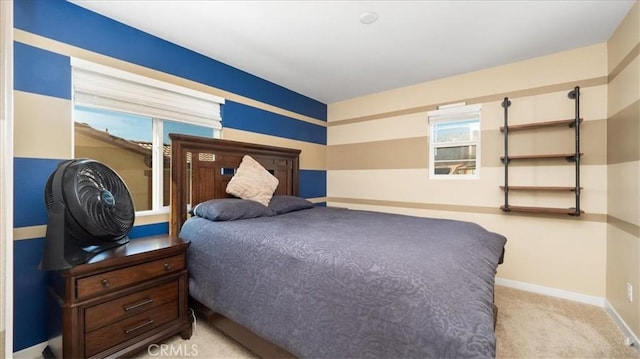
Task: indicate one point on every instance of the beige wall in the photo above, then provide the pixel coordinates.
(377, 159)
(623, 159)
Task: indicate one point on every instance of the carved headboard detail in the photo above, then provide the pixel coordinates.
(201, 168)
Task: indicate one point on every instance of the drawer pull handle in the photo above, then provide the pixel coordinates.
(139, 326)
(167, 266)
(105, 283)
(138, 305)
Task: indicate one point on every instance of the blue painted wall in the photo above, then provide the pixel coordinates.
(71, 24)
(45, 73)
(41, 71)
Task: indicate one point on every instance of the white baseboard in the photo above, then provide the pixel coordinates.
(631, 338)
(32, 352)
(553, 292)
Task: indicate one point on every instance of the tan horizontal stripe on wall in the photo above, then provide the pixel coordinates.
(595, 217)
(414, 152)
(151, 219)
(624, 226)
(401, 153)
(488, 98)
(549, 140)
(312, 157)
(73, 51)
(568, 86)
(38, 120)
(623, 135)
(432, 206)
(31, 232)
(635, 52)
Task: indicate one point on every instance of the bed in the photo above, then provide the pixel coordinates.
(301, 280)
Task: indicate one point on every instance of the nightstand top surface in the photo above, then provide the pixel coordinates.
(139, 245)
(144, 248)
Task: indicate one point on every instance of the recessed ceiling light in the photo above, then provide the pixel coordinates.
(368, 17)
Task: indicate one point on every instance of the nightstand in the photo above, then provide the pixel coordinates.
(121, 301)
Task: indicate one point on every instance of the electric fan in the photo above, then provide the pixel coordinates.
(89, 210)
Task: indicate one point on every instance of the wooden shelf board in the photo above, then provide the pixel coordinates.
(542, 156)
(535, 125)
(541, 188)
(551, 210)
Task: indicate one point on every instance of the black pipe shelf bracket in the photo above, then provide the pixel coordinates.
(571, 157)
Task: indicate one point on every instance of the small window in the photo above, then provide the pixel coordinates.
(454, 146)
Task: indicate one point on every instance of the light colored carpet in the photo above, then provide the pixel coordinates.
(537, 326)
(529, 326)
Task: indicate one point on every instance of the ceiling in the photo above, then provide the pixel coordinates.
(321, 49)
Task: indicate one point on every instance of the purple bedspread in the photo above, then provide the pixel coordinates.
(337, 283)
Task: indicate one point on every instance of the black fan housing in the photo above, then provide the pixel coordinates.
(89, 210)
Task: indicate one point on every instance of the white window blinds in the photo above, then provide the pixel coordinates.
(103, 87)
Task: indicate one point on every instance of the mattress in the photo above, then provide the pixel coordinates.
(336, 283)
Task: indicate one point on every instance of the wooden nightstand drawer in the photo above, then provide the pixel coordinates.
(118, 332)
(121, 308)
(101, 283)
(143, 301)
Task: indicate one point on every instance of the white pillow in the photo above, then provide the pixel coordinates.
(252, 181)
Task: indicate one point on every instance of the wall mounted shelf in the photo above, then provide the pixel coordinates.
(549, 210)
(541, 188)
(532, 126)
(547, 156)
(572, 157)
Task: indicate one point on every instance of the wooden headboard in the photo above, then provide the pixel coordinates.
(201, 168)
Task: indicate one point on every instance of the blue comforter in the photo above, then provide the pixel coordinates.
(337, 283)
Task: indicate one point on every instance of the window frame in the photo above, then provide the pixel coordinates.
(153, 109)
(450, 114)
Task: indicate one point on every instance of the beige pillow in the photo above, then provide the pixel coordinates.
(252, 181)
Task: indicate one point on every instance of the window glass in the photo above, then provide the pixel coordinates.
(176, 127)
(456, 131)
(124, 142)
(455, 160)
(455, 142)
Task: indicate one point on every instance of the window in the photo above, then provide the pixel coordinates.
(454, 146)
(124, 121)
